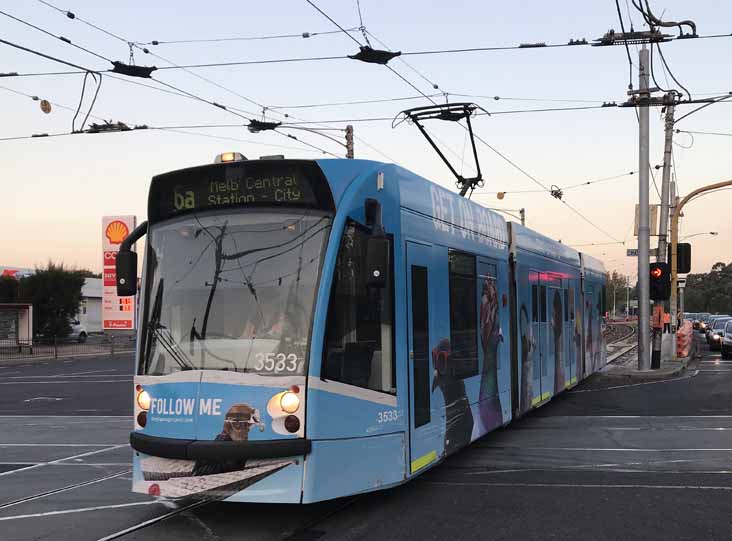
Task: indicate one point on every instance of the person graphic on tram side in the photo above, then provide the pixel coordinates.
(527, 362)
(491, 413)
(590, 343)
(458, 416)
(579, 370)
(557, 324)
(237, 423)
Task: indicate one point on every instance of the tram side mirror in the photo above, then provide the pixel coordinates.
(126, 268)
(377, 262)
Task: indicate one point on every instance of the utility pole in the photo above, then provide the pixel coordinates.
(627, 299)
(644, 230)
(522, 213)
(663, 225)
(349, 142)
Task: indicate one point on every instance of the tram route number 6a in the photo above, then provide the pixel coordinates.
(275, 362)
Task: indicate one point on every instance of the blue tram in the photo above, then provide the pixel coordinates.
(315, 329)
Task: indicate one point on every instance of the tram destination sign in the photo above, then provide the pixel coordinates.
(239, 184)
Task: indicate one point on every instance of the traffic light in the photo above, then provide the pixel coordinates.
(660, 282)
(683, 257)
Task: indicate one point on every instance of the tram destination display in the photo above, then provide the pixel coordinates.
(238, 184)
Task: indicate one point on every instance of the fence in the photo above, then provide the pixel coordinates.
(54, 348)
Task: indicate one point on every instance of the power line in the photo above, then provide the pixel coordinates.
(345, 103)
(62, 38)
(538, 182)
(46, 56)
(301, 35)
(627, 49)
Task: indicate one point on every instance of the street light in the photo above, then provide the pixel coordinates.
(712, 233)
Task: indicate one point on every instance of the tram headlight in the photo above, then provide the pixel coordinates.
(289, 402)
(143, 398)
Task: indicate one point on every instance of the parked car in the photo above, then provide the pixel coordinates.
(716, 332)
(726, 345)
(78, 334)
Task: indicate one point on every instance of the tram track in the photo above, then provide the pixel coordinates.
(144, 524)
(63, 489)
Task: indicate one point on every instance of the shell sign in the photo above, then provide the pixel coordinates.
(117, 312)
(116, 232)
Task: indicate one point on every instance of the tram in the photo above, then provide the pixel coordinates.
(316, 329)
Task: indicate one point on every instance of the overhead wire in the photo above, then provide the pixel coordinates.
(627, 49)
(301, 35)
(61, 38)
(177, 89)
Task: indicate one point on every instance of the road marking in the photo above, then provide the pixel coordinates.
(54, 462)
(63, 489)
(147, 523)
(580, 485)
(637, 384)
(43, 398)
(614, 449)
(69, 416)
(63, 376)
(78, 510)
(61, 444)
(61, 382)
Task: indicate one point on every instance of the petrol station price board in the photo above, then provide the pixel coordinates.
(118, 313)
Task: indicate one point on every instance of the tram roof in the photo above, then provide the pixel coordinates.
(531, 241)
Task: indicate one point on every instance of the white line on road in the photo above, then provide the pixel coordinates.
(580, 485)
(64, 376)
(62, 382)
(79, 510)
(118, 417)
(147, 523)
(61, 444)
(54, 462)
(614, 449)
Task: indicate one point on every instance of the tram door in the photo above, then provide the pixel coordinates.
(539, 336)
(555, 313)
(423, 431)
(568, 334)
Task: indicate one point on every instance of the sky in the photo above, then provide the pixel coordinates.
(54, 191)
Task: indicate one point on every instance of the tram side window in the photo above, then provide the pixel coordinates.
(566, 305)
(571, 304)
(543, 304)
(358, 338)
(463, 315)
(535, 304)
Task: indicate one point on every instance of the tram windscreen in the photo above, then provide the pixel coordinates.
(232, 291)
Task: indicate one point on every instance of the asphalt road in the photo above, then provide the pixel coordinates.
(635, 461)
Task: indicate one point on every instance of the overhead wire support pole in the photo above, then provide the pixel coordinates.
(644, 230)
(664, 214)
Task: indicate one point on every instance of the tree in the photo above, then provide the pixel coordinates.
(55, 293)
(710, 292)
(616, 285)
(8, 289)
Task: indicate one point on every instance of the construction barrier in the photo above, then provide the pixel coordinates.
(684, 336)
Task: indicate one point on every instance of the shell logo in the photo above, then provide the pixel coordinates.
(116, 232)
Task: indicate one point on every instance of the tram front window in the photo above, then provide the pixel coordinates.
(232, 291)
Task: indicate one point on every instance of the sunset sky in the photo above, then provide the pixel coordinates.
(55, 190)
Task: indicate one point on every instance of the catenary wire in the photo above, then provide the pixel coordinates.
(61, 38)
(301, 35)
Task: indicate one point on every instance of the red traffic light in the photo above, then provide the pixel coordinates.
(656, 272)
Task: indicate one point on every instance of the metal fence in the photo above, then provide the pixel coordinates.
(54, 348)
